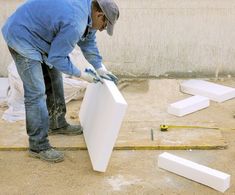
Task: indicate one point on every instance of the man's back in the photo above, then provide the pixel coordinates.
(35, 24)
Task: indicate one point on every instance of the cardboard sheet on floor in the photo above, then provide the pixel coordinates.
(101, 115)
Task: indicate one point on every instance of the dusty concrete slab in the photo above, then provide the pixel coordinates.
(129, 171)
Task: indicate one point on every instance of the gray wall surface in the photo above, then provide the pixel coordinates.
(6, 8)
(162, 37)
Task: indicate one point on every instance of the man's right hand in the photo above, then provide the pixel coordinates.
(90, 76)
(105, 74)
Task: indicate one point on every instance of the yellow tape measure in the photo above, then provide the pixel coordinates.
(166, 127)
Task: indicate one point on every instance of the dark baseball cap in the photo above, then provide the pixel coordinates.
(111, 12)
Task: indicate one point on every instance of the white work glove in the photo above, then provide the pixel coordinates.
(105, 74)
(90, 76)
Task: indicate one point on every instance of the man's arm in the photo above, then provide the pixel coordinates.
(91, 53)
(61, 46)
(90, 50)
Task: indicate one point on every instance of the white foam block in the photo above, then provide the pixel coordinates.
(4, 85)
(199, 173)
(215, 92)
(101, 114)
(189, 105)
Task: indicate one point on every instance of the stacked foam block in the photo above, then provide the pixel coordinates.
(203, 92)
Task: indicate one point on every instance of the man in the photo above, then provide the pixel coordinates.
(40, 35)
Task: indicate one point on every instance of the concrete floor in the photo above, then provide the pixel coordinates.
(129, 171)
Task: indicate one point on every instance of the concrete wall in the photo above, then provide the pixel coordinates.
(6, 8)
(163, 37)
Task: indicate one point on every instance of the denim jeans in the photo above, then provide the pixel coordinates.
(43, 98)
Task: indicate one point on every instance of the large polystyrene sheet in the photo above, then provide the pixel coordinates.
(101, 115)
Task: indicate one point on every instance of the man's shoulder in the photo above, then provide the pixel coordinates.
(59, 5)
(81, 6)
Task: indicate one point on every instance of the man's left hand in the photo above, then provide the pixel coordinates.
(105, 74)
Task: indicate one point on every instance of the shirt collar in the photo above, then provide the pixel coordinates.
(89, 17)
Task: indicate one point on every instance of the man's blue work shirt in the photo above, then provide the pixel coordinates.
(48, 30)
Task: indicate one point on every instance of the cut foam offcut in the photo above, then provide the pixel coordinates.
(188, 105)
(194, 171)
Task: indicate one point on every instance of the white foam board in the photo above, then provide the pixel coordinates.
(4, 85)
(199, 173)
(215, 92)
(101, 114)
(188, 105)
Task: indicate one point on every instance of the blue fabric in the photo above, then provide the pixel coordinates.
(43, 97)
(48, 30)
(37, 120)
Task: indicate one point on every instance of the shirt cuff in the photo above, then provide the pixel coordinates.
(76, 72)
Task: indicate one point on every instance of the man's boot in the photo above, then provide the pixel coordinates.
(49, 155)
(67, 130)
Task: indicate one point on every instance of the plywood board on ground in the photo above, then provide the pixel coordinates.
(133, 135)
(147, 108)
